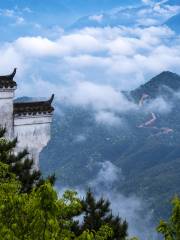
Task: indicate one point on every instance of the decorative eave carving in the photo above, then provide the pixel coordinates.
(7, 81)
(33, 108)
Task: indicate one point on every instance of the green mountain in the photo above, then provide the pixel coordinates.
(159, 85)
(146, 148)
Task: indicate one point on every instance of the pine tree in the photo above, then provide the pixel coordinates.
(98, 213)
(41, 214)
(20, 164)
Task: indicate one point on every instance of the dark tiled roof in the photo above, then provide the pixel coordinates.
(33, 108)
(7, 80)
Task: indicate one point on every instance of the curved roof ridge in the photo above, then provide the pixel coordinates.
(33, 108)
(7, 81)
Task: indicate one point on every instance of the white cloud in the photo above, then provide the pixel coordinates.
(80, 138)
(159, 105)
(97, 18)
(107, 43)
(10, 58)
(89, 67)
(104, 100)
(131, 208)
(67, 44)
(20, 20)
(35, 47)
(108, 118)
(14, 15)
(107, 175)
(156, 13)
(7, 12)
(147, 1)
(27, 10)
(99, 97)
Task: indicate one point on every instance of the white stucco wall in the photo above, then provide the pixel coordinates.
(6, 110)
(33, 133)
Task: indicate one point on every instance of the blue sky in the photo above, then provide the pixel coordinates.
(48, 14)
(87, 51)
(21, 18)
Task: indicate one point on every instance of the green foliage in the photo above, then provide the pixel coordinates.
(97, 214)
(171, 229)
(40, 214)
(20, 164)
(105, 232)
(30, 208)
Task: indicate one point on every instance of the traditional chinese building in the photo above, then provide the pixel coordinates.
(30, 122)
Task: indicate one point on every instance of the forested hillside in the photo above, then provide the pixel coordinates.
(146, 147)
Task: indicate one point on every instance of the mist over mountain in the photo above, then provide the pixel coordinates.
(144, 149)
(159, 85)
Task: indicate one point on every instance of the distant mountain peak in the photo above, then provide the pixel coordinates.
(153, 87)
(165, 78)
(167, 73)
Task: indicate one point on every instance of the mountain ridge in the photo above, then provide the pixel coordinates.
(140, 148)
(154, 86)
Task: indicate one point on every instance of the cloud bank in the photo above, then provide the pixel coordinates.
(119, 57)
(91, 66)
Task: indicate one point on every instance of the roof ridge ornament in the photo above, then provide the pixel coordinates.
(6, 81)
(11, 76)
(51, 99)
